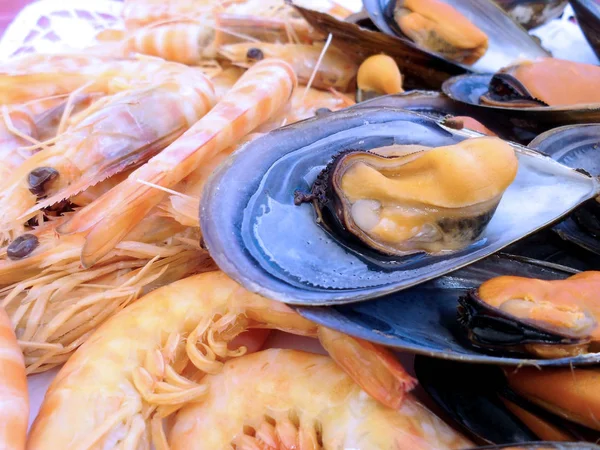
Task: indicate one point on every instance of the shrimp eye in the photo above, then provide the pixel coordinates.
(38, 178)
(22, 246)
(255, 53)
(322, 111)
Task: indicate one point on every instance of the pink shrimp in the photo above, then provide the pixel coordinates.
(14, 402)
(117, 133)
(257, 95)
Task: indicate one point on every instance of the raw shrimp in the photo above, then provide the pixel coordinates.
(335, 70)
(256, 97)
(43, 252)
(54, 314)
(14, 402)
(288, 399)
(118, 132)
(129, 372)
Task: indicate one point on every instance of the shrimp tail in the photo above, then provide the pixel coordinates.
(371, 366)
(256, 96)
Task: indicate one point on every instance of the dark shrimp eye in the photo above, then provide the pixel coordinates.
(322, 111)
(38, 178)
(255, 53)
(22, 246)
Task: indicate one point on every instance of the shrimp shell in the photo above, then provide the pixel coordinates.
(336, 70)
(128, 373)
(256, 97)
(14, 401)
(288, 399)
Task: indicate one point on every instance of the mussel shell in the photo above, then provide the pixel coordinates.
(362, 19)
(533, 13)
(419, 69)
(541, 445)
(438, 106)
(588, 17)
(468, 393)
(508, 41)
(259, 237)
(424, 320)
(469, 88)
(578, 147)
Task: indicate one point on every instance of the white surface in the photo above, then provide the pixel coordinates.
(51, 26)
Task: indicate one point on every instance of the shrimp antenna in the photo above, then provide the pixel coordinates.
(316, 69)
(69, 107)
(10, 126)
(164, 189)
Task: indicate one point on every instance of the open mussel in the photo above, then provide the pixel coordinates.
(401, 200)
(535, 96)
(588, 17)
(533, 13)
(516, 405)
(257, 234)
(478, 35)
(576, 146)
(546, 318)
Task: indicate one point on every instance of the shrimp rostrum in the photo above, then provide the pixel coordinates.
(117, 387)
(287, 399)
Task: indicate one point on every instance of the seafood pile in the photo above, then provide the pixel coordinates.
(213, 171)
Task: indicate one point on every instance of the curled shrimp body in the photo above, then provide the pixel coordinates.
(256, 97)
(14, 401)
(286, 399)
(116, 133)
(336, 70)
(117, 386)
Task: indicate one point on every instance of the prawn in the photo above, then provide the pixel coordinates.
(54, 314)
(14, 401)
(41, 251)
(335, 70)
(114, 134)
(260, 93)
(129, 373)
(288, 399)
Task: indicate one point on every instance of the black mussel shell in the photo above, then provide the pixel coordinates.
(488, 327)
(576, 146)
(533, 13)
(363, 20)
(541, 445)
(588, 17)
(472, 396)
(423, 319)
(470, 88)
(439, 106)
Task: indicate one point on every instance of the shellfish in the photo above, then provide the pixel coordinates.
(401, 200)
(588, 17)
(260, 238)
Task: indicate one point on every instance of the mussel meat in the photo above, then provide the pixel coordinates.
(548, 82)
(401, 200)
(440, 28)
(548, 319)
(378, 75)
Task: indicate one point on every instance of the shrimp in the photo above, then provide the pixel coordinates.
(138, 13)
(129, 372)
(42, 252)
(256, 97)
(336, 70)
(54, 314)
(288, 399)
(14, 401)
(121, 131)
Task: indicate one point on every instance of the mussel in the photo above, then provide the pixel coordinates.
(477, 35)
(517, 404)
(438, 27)
(548, 82)
(401, 200)
(533, 13)
(542, 445)
(546, 318)
(257, 234)
(588, 17)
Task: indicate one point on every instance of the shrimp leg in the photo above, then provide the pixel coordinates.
(257, 95)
